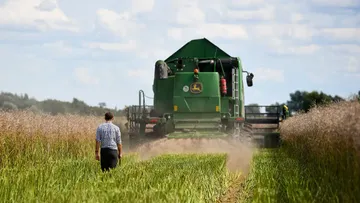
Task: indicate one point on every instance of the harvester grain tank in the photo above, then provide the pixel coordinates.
(198, 92)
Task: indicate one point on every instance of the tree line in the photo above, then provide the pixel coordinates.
(302, 101)
(9, 101)
(299, 101)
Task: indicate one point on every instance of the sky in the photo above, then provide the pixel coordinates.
(105, 51)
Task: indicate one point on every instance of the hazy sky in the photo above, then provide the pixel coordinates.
(105, 51)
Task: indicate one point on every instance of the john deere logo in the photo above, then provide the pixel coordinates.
(196, 88)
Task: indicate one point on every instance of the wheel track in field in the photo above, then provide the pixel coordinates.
(234, 190)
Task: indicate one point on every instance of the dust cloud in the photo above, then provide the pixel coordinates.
(239, 154)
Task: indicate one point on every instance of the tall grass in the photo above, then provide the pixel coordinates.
(326, 142)
(319, 160)
(51, 159)
(29, 138)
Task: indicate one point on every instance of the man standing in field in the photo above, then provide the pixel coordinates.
(285, 112)
(108, 138)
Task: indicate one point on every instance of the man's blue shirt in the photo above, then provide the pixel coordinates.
(108, 135)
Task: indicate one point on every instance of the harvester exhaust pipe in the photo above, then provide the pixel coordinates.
(141, 92)
(142, 113)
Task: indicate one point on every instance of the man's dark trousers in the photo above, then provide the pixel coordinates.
(108, 158)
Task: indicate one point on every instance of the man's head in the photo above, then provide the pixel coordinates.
(109, 116)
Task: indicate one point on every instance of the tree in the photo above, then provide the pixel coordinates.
(296, 100)
(273, 109)
(34, 109)
(26, 96)
(9, 106)
(303, 100)
(102, 104)
(253, 108)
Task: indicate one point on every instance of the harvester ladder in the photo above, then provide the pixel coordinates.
(235, 96)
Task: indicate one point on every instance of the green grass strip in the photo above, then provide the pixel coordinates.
(168, 178)
(276, 176)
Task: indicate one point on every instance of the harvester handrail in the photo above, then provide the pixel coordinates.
(270, 113)
(263, 106)
(199, 58)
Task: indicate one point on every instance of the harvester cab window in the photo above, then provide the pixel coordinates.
(206, 67)
(161, 70)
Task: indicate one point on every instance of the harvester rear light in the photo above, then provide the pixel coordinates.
(154, 120)
(223, 87)
(175, 108)
(239, 119)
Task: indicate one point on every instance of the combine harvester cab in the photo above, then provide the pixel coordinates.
(198, 92)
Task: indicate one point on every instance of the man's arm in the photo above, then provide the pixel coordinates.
(97, 144)
(120, 150)
(97, 149)
(118, 142)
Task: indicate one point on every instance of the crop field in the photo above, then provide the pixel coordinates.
(51, 159)
(319, 160)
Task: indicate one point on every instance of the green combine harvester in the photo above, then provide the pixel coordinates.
(199, 92)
